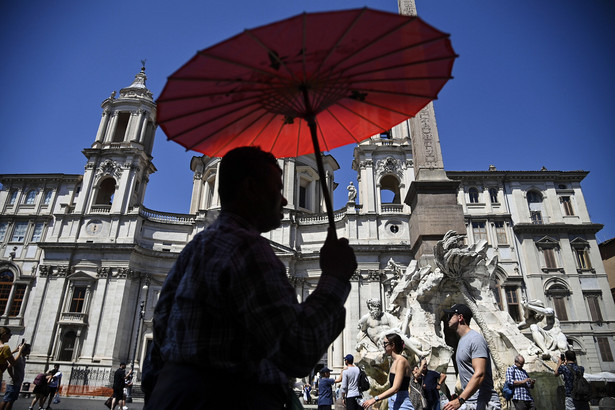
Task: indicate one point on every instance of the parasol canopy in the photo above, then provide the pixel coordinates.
(306, 84)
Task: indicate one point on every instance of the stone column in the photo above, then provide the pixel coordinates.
(104, 121)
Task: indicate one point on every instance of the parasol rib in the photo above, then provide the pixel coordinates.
(344, 126)
(230, 140)
(432, 60)
(221, 128)
(339, 40)
(271, 53)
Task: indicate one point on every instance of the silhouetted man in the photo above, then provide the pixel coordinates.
(228, 329)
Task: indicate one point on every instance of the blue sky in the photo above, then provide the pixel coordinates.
(533, 84)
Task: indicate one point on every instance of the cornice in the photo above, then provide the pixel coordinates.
(588, 228)
(576, 176)
(92, 247)
(40, 178)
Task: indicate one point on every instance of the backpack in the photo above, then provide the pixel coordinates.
(40, 379)
(508, 389)
(363, 381)
(580, 386)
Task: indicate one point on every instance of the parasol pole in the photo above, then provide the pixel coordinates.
(310, 117)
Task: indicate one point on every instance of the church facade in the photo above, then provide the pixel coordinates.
(82, 260)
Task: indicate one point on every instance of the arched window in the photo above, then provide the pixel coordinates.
(473, 193)
(389, 190)
(6, 284)
(106, 189)
(559, 293)
(534, 203)
(493, 195)
(68, 346)
(534, 197)
(31, 197)
(48, 195)
(13, 196)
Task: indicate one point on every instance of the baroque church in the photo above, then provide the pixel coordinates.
(82, 259)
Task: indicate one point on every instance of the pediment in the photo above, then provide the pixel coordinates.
(280, 249)
(81, 276)
(547, 242)
(579, 243)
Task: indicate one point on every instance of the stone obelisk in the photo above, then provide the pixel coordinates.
(432, 197)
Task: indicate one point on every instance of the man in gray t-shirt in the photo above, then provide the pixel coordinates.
(473, 364)
(350, 384)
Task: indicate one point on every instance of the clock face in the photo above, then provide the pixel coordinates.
(93, 227)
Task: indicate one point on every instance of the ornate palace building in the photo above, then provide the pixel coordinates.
(82, 260)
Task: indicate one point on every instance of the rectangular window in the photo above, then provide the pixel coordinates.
(19, 232)
(549, 254)
(559, 303)
(567, 204)
(582, 257)
(76, 304)
(479, 231)
(605, 349)
(594, 308)
(37, 233)
(536, 217)
(18, 295)
(500, 232)
(4, 226)
(303, 197)
(512, 300)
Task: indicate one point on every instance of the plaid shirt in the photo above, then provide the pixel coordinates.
(565, 371)
(227, 304)
(521, 392)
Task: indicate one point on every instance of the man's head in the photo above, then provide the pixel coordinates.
(423, 366)
(375, 308)
(458, 314)
(325, 371)
(349, 359)
(5, 334)
(123, 365)
(250, 185)
(571, 356)
(27, 348)
(56, 367)
(519, 361)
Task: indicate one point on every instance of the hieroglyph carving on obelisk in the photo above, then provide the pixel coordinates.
(426, 150)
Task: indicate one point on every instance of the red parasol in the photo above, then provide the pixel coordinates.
(314, 81)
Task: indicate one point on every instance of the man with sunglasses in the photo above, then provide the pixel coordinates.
(473, 364)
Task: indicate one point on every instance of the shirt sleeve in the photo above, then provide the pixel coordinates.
(344, 382)
(509, 375)
(294, 336)
(480, 349)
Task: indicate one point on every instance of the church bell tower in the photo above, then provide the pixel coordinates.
(120, 161)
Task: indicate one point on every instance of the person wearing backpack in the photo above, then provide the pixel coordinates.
(350, 384)
(575, 385)
(521, 382)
